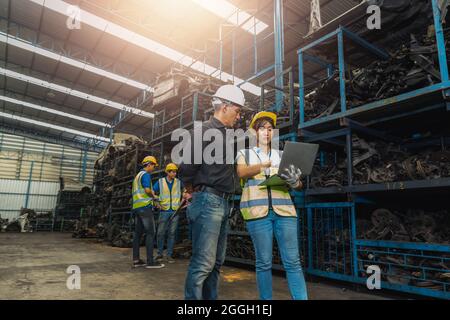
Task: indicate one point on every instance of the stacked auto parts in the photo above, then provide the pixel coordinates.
(413, 65)
(381, 162)
(408, 267)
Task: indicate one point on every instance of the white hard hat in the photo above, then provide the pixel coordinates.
(231, 94)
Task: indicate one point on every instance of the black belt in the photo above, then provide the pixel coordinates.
(224, 195)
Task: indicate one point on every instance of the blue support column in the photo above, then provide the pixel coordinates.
(341, 70)
(30, 176)
(310, 239)
(301, 88)
(279, 52)
(349, 147)
(440, 41)
(353, 244)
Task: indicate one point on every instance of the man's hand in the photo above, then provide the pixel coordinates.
(189, 188)
(156, 203)
(292, 176)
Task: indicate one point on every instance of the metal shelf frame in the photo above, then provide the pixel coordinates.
(322, 219)
(327, 221)
(387, 105)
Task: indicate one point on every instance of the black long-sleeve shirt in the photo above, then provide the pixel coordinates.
(220, 176)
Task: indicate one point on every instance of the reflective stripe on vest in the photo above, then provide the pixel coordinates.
(255, 201)
(169, 199)
(140, 197)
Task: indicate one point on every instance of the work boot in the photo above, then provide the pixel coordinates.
(139, 263)
(170, 259)
(154, 265)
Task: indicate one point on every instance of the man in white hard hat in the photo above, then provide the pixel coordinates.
(213, 186)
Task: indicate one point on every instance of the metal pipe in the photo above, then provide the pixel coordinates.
(349, 147)
(341, 70)
(440, 41)
(278, 39)
(301, 88)
(27, 197)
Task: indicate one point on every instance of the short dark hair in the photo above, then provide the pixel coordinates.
(262, 121)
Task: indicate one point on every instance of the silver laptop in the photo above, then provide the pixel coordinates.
(301, 155)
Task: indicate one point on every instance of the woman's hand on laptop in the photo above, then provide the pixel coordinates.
(266, 164)
(292, 176)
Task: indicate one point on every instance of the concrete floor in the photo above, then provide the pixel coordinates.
(33, 266)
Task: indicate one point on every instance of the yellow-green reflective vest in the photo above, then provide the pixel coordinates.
(169, 199)
(255, 199)
(140, 197)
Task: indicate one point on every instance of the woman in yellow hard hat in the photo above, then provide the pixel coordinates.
(269, 210)
(143, 202)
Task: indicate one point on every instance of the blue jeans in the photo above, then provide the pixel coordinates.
(208, 216)
(285, 229)
(144, 223)
(169, 228)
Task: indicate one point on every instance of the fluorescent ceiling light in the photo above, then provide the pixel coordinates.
(52, 126)
(20, 43)
(73, 92)
(233, 14)
(146, 43)
(49, 110)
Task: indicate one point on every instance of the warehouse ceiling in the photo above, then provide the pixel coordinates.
(119, 51)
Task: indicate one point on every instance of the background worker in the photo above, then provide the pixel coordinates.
(143, 202)
(170, 193)
(214, 185)
(269, 210)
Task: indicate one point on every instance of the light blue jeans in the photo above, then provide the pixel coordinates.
(166, 228)
(208, 217)
(286, 233)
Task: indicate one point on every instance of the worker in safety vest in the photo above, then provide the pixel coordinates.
(170, 190)
(269, 210)
(143, 203)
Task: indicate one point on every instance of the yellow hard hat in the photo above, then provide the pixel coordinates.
(264, 114)
(149, 159)
(171, 166)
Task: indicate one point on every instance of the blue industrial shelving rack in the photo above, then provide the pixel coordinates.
(331, 245)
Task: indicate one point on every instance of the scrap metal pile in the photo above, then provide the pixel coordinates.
(332, 250)
(379, 162)
(25, 222)
(115, 170)
(412, 225)
(240, 245)
(411, 66)
(108, 217)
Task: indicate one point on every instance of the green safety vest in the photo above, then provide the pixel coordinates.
(140, 197)
(169, 199)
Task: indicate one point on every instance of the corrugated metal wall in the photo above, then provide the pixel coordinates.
(13, 196)
(50, 161)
